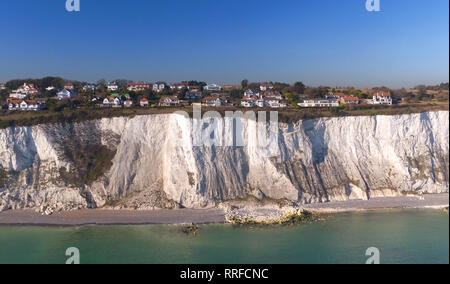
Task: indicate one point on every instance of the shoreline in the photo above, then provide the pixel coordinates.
(104, 217)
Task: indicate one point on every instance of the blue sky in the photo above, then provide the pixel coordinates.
(319, 42)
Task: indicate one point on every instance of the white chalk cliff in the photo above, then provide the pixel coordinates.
(155, 165)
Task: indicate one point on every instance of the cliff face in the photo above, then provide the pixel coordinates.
(149, 162)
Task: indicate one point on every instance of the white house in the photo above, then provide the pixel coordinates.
(112, 102)
(50, 88)
(320, 103)
(382, 98)
(65, 94)
(2, 87)
(276, 103)
(212, 88)
(112, 87)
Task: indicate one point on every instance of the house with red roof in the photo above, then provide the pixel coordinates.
(169, 101)
(144, 102)
(350, 100)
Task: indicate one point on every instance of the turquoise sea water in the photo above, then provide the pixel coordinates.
(402, 236)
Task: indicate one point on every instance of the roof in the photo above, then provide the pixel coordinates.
(172, 98)
(350, 99)
(382, 93)
(15, 101)
(138, 84)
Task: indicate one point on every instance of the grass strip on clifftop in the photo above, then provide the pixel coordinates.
(26, 118)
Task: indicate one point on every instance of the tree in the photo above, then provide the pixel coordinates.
(244, 84)
(299, 87)
(236, 94)
(101, 82)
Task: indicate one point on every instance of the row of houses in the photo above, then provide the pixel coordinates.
(336, 99)
(215, 100)
(160, 86)
(24, 105)
(263, 99)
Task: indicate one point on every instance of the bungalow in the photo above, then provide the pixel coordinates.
(249, 102)
(195, 89)
(179, 86)
(112, 102)
(112, 87)
(382, 98)
(232, 87)
(24, 105)
(159, 87)
(138, 87)
(265, 87)
(65, 94)
(169, 101)
(320, 103)
(193, 95)
(276, 103)
(128, 103)
(144, 102)
(273, 95)
(18, 95)
(2, 87)
(350, 100)
(335, 96)
(215, 101)
(212, 88)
